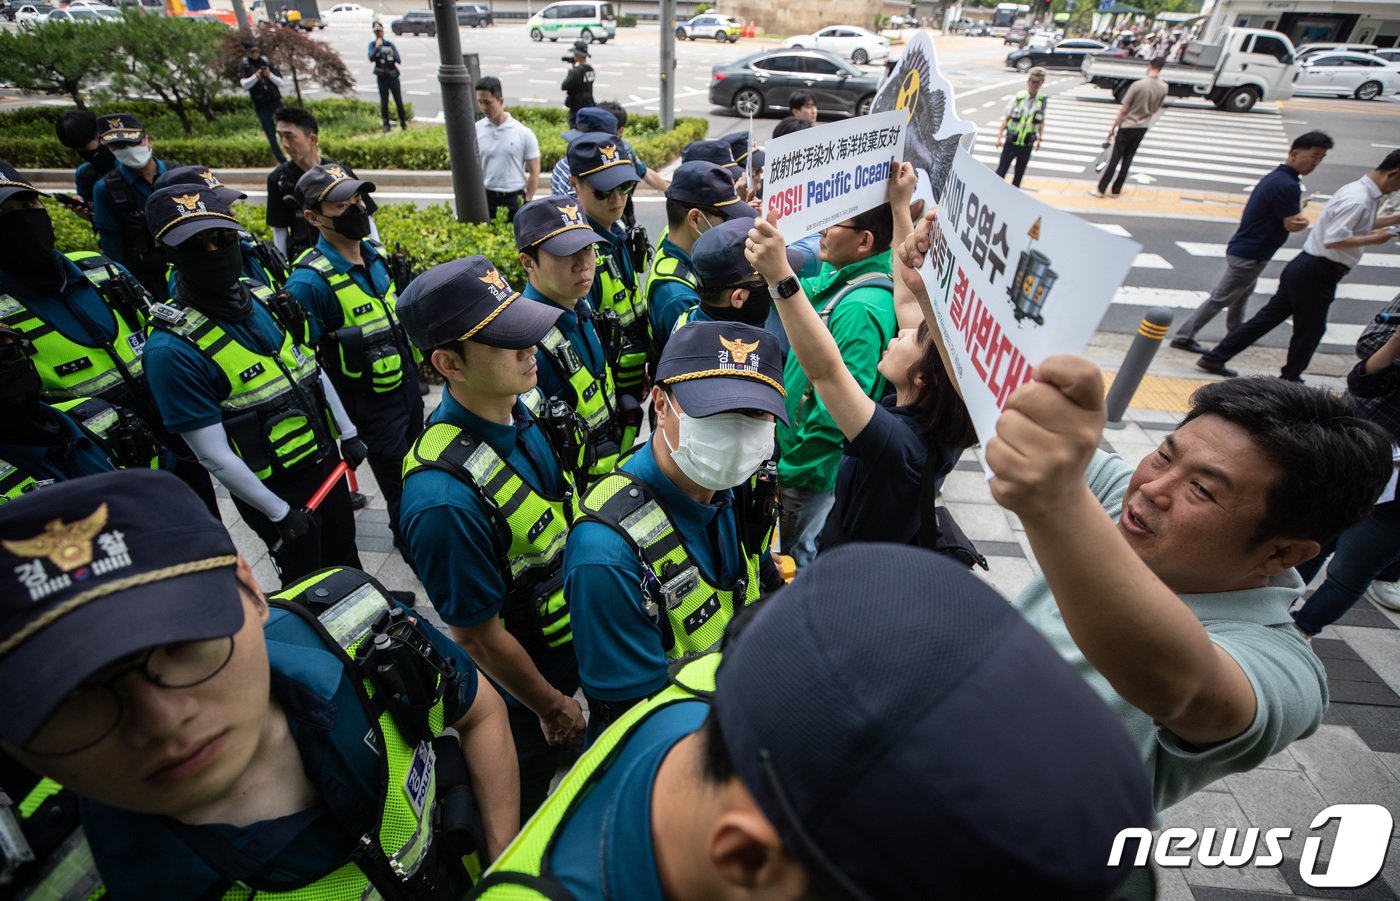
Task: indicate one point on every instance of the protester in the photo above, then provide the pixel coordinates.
(119, 202)
(509, 150)
(263, 82)
(300, 135)
(212, 739)
(885, 727)
(77, 130)
(386, 59)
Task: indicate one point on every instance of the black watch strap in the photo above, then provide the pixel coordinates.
(788, 287)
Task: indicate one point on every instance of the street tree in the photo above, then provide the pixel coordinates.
(298, 57)
(173, 58)
(63, 58)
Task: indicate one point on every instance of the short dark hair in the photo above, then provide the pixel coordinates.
(533, 251)
(790, 125)
(716, 766)
(616, 109)
(298, 116)
(1309, 140)
(1332, 464)
(879, 221)
(1391, 161)
(938, 408)
(677, 209)
(800, 99)
(492, 84)
(1158, 63)
(76, 128)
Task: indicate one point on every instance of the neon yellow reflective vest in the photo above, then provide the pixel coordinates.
(691, 613)
(275, 413)
(521, 873)
(666, 268)
(96, 418)
(596, 405)
(531, 525)
(408, 812)
(68, 368)
(629, 305)
(368, 347)
(1022, 126)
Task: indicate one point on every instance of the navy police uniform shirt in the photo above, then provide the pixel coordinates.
(453, 536)
(577, 326)
(669, 299)
(73, 454)
(1261, 233)
(323, 311)
(104, 215)
(614, 245)
(143, 857)
(77, 312)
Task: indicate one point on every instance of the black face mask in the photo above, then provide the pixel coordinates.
(26, 250)
(210, 279)
(754, 311)
(353, 223)
(100, 157)
(19, 387)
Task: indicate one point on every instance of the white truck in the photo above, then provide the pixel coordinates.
(1247, 65)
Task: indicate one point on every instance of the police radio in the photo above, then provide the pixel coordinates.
(290, 313)
(404, 668)
(125, 295)
(565, 429)
(272, 261)
(400, 269)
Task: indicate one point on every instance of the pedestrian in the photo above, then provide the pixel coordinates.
(578, 83)
(261, 261)
(802, 107)
(510, 152)
(237, 382)
(119, 202)
(1273, 212)
(180, 717)
(1308, 284)
(588, 119)
(558, 251)
(386, 59)
(853, 294)
(1025, 118)
(486, 505)
(812, 758)
(345, 287)
(899, 449)
(300, 134)
(77, 130)
(667, 552)
(1139, 109)
(263, 82)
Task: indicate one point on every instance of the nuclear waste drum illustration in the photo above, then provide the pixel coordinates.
(1032, 284)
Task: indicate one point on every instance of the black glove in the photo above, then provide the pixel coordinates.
(354, 452)
(295, 526)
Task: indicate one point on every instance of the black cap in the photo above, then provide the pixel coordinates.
(119, 128)
(468, 300)
(738, 145)
(601, 160)
(581, 47)
(698, 183)
(199, 175)
(717, 152)
(555, 224)
(328, 182)
(98, 568)
(721, 367)
(718, 256)
(176, 213)
(888, 709)
(591, 118)
(12, 183)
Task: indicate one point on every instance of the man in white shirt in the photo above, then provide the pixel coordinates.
(1347, 226)
(510, 152)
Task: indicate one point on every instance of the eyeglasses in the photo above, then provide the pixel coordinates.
(213, 239)
(93, 710)
(854, 228)
(626, 188)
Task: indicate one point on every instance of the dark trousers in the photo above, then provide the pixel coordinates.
(388, 423)
(1020, 153)
(507, 200)
(387, 85)
(1125, 146)
(538, 759)
(1305, 291)
(1363, 554)
(269, 128)
(331, 541)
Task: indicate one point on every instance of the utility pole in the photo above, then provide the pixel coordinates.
(456, 88)
(668, 65)
(240, 12)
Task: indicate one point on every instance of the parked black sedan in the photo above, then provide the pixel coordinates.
(1064, 55)
(765, 80)
(417, 21)
(474, 14)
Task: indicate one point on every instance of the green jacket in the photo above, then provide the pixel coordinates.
(862, 325)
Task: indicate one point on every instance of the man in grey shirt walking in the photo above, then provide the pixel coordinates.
(1140, 107)
(509, 151)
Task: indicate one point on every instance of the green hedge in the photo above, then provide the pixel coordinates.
(350, 133)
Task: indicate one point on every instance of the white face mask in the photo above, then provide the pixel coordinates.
(135, 156)
(722, 450)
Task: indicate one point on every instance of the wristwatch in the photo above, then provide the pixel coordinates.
(787, 287)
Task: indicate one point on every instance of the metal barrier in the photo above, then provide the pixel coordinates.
(1149, 337)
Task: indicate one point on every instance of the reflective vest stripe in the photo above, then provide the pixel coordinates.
(1021, 125)
(374, 349)
(595, 401)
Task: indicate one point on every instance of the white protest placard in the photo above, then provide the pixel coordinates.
(819, 176)
(1013, 281)
(934, 129)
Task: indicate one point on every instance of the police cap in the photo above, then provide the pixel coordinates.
(178, 212)
(717, 152)
(721, 367)
(591, 118)
(554, 224)
(469, 300)
(1036, 74)
(327, 183)
(120, 128)
(698, 183)
(718, 256)
(738, 142)
(199, 175)
(601, 161)
(12, 183)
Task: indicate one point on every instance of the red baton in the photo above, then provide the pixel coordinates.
(328, 485)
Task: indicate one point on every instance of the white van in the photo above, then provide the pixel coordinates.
(586, 20)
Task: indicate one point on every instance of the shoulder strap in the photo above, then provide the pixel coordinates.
(117, 190)
(625, 495)
(867, 280)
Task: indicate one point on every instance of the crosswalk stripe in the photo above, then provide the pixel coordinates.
(1345, 291)
(1383, 260)
(1150, 261)
(1186, 299)
(992, 159)
(1112, 228)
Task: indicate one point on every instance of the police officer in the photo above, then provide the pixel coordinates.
(218, 743)
(1025, 122)
(300, 134)
(701, 197)
(665, 554)
(603, 177)
(557, 251)
(119, 201)
(263, 81)
(41, 444)
(86, 318)
(237, 382)
(261, 261)
(77, 130)
(487, 503)
(808, 762)
(578, 83)
(344, 285)
(386, 59)
(730, 289)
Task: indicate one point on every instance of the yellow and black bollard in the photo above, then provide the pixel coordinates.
(1144, 347)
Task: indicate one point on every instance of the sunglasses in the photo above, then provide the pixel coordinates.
(213, 239)
(625, 188)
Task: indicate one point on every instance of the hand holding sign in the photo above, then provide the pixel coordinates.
(766, 251)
